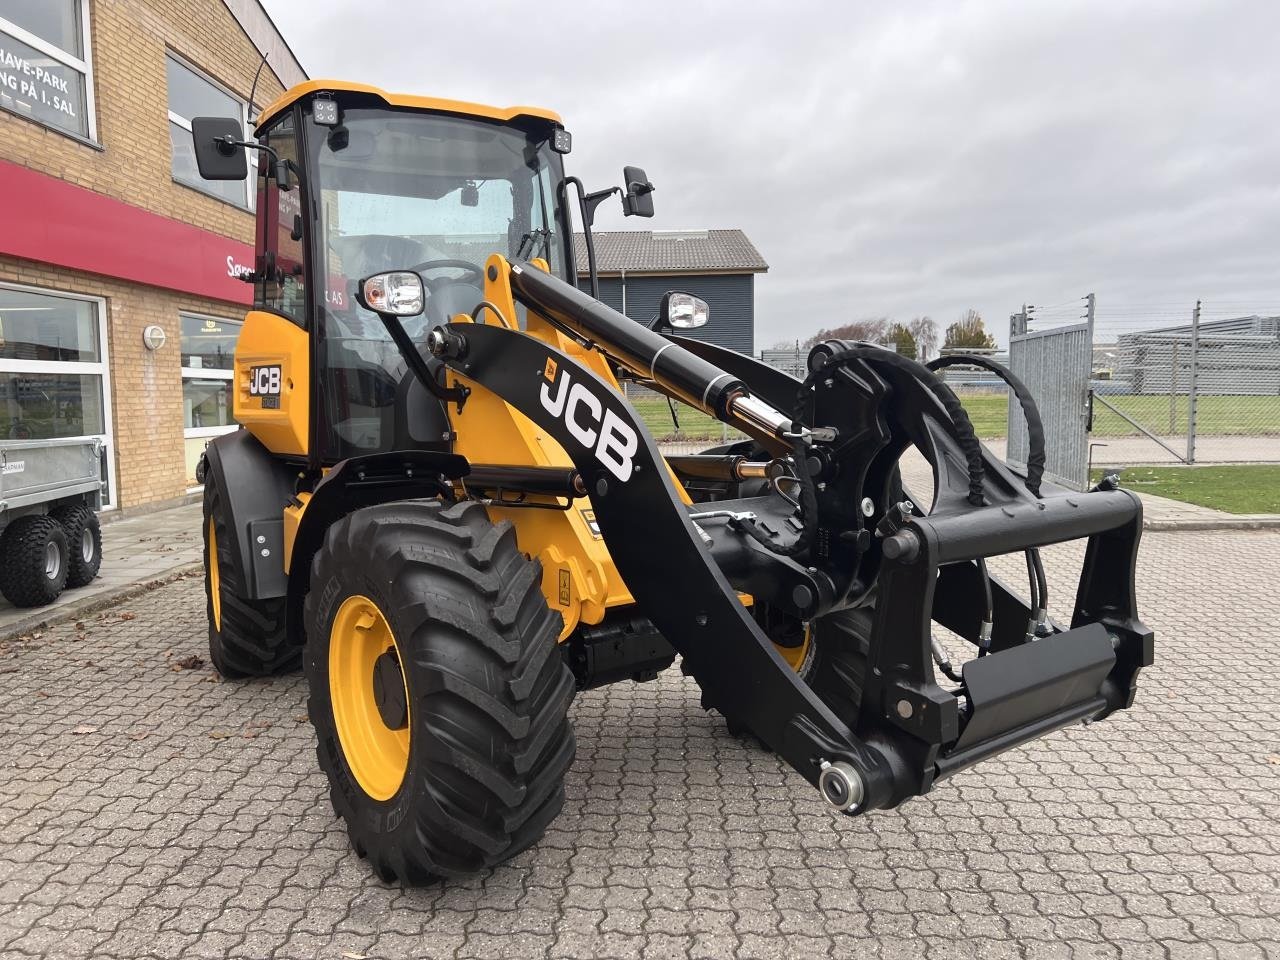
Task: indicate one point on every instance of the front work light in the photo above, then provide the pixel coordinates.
(683, 311)
(399, 294)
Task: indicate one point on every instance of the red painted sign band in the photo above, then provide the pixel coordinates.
(45, 219)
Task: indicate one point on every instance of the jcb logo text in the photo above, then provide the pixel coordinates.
(264, 381)
(591, 423)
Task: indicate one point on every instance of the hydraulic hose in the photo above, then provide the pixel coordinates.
(1035, 427)
(808, 510)
(1039, 584)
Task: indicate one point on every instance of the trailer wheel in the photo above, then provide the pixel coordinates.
(246, 637)
(84, 543)
(33, 561)
(438, 695)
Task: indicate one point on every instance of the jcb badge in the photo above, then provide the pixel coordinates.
(591, 423)
(264, 381)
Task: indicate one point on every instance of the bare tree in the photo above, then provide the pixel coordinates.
(925, 332)
(872, 330)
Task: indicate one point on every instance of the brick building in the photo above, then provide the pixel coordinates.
(109, 241)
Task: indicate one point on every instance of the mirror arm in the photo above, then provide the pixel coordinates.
(417, 364)
(279, 165)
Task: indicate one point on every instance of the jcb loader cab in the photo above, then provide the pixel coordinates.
(444, 507)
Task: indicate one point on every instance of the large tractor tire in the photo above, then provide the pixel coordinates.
(829, 653)
(246, 637)
(438, 695)
(84, 543)
(33, 561)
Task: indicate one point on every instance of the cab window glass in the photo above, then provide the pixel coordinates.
(281, 285)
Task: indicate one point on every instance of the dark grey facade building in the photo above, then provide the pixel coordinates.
(636, 267)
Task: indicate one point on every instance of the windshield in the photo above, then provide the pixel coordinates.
(402, 190)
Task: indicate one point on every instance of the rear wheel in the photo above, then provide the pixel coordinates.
(246, 637)
(84, 543)
(33, 561)
(438, 695)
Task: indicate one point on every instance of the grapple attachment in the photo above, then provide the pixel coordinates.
(810, 518)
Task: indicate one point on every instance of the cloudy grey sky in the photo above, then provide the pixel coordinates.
(891, 159)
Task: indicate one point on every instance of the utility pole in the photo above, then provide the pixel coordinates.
(1086, 402)
(1191, 387)
(1018, 322)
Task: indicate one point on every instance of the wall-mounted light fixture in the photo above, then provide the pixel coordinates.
(153, 337)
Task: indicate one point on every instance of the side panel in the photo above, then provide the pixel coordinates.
(273, 383)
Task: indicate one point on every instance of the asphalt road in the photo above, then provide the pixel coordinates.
(148, 810)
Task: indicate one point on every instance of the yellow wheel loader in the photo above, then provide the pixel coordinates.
(442, 505)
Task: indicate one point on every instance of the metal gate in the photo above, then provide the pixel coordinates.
(1055, 364)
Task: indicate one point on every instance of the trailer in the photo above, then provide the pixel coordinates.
(50, 494)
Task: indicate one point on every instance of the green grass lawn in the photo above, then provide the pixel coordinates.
(1246, 488)
(694, 424)
(1215, 416)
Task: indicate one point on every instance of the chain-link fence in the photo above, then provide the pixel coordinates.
(1196, 385)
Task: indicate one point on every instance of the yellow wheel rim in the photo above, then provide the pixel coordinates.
(215, 577)
(797, 655)
(377, 754)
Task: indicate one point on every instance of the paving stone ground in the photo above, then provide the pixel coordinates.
(150, 811)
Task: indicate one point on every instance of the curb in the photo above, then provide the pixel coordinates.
(1197, 525)
(46, 617)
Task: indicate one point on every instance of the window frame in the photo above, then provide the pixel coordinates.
(250, 190)
(205, 373)
(100, 368)
(83, 66)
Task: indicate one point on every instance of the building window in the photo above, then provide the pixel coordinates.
(192, 94)
(208, 358)
(53, 370)
(46, 71)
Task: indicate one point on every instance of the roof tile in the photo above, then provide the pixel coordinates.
(670, 251)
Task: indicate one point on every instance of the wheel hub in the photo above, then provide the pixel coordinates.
(388, 691)
(369, 698)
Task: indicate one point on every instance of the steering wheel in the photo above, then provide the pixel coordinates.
(475, 272)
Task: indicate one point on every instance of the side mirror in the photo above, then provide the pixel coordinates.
(399, 294)
(219, 148)
(637, 193)
(681, 311)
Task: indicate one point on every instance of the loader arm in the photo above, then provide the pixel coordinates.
(849, 428)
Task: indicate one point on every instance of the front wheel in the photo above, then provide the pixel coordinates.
(829, 653)
(438, 695)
